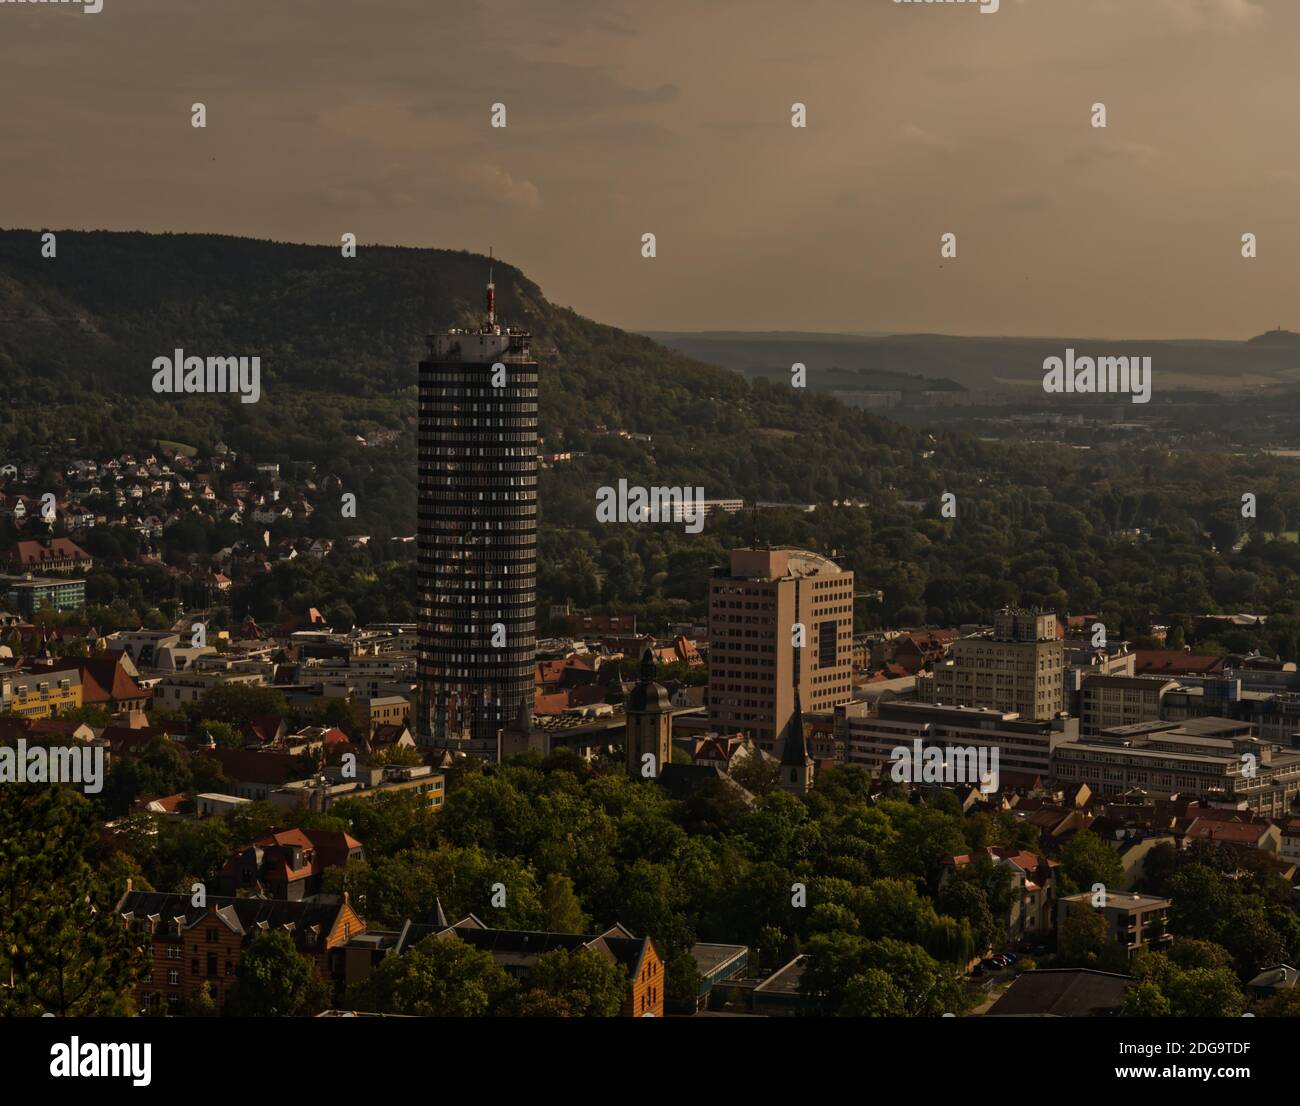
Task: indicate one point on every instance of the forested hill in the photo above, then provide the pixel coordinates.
(339, 340)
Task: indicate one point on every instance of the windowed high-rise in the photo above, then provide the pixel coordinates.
(477, 568)
(757, 674)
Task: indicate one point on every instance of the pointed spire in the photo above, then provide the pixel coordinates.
(795, 753)
(491, 293)
(648, 663)
(439, 917)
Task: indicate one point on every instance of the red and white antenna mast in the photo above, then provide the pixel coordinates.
(491, 294)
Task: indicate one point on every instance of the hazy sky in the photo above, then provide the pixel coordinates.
(372, 116)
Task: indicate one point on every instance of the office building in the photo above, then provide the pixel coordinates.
(1219, 760)
(1018, 667)
(761, 607)
(1023, 746)
(477, 533)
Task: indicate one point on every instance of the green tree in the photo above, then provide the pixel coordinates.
(438, 978)
(561, 907)
(581, 984)
(1081, 936)
(1145, 1000)
(1087, 860)
(274, 980)
(63, 949)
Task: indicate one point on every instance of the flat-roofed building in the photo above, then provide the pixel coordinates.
(1019, 666)
(1108, 701)
(40, 694)
(754, 607)
(1221, 760)
(1022, 745)
(183, 689)
(1132, 920)
(30, 594)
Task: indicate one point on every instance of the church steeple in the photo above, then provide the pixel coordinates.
(648, 730)
(796, 763)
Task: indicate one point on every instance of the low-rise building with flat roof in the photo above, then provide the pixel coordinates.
(1132, 920)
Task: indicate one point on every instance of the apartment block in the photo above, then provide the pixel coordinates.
(40, 694)
(1132, 920)
(29, 594)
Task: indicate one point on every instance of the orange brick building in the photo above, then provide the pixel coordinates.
(192, 945)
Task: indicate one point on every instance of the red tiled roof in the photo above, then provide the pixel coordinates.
(1204, 829)
(1176, 662)
(33, 554)
(123, 740)
(103, 679)
(555, 702)
(250, 766)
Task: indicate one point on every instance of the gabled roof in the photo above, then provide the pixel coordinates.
(247, 766)
(309, 923)
(33, 554)
(1063, 993)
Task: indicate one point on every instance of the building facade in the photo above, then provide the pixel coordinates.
(1219, 760)
(1023, 746)
(1019, 666)
(757, 608)
(477, 534)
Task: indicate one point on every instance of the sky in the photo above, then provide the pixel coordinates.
(327, 117)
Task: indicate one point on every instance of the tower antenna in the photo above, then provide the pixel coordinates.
(491, 294)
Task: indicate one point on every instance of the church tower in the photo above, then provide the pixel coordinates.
(649, 723)
(796, 764)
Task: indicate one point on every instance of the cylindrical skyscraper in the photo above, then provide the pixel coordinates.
(477, 534)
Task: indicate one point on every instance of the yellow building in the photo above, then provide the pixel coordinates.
(40, 694)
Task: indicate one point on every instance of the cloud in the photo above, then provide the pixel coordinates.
(919, 136)
(1216, 14)
(390, 126)
(1019, 202)
(1111, 151)
(494, 183)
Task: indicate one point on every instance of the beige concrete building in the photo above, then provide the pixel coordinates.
(1133, 921)
(1019, 667)
(1023, 746)
(754, 608)
(1109, 701)
(1216, 759)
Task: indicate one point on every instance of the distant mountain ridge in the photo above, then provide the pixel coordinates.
(1004, 364)
(339, 342)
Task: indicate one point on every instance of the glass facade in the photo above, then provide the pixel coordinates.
(477, 555)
